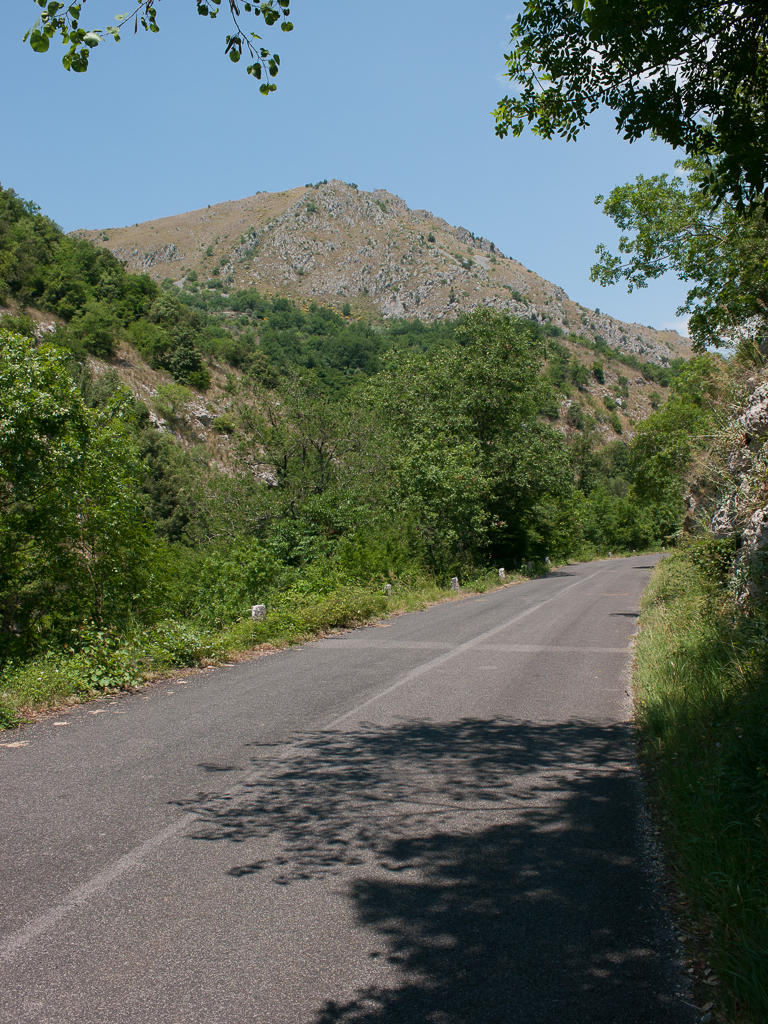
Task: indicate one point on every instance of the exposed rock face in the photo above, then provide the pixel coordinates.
(751, 575)
(334, 243)
(144, 260)
(723, 520)
(740, 460)
(743, 512)
(691, 503)
(754, 419)
(755, 537)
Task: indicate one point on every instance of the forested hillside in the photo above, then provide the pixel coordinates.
(170, 458)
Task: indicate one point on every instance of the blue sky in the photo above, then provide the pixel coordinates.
(394, 96)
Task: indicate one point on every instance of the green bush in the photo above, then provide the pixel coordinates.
(175, 644)
(188, 367)
(225, 424)
(550, 407)
(346, 606)
(9, 719)
(96, 328)
(171, 401)
(21, 324)
(217, 587)
(575, 416)
(100, 661)
(40, 683)
(578, 373)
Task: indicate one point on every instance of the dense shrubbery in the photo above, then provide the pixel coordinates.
(272, 337)
(663, 375)
(89, 290)
(440, 464)
(82, 284)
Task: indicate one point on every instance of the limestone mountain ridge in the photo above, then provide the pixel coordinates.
(333, 243)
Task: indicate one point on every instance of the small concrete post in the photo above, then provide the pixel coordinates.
(610, 554)
(502, 575)
(454, 582)
(547, 561)
(388, 590)
(258, 611)
(529, 566)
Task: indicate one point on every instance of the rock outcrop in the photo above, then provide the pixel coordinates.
(743, 509)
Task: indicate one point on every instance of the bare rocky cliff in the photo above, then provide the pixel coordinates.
(742, 511)
(334, 243)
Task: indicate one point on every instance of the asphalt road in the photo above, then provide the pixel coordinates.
(430, 821)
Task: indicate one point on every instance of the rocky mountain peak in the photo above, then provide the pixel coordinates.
(334, 243)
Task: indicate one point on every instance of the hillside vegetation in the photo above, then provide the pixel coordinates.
(170, 458)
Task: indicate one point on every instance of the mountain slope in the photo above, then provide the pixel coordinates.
(333, 243)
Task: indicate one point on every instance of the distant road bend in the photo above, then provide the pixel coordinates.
(430, 821)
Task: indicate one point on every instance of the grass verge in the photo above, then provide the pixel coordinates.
(104, 662)
(701, 706)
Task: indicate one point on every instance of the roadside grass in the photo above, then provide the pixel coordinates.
(45, 683)
(104, 662)
(701, 708)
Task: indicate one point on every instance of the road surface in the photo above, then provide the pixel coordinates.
(430, 821)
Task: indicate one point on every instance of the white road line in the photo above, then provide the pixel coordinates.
(38, 925)
(460, 649)
(19, 940)
(537, 649)
(416, 645)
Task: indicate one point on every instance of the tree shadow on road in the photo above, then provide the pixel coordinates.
(497, 862)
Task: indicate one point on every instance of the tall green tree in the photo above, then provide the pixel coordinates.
(306, 440)
(74, 540)
(27, 241)
(672, 225)
(472, 462)
(694, 74)
(667, 440)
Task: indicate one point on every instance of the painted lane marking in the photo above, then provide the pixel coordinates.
(468, 645)
(17, 941)
(512, 648)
